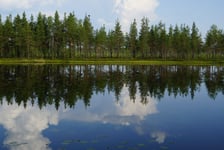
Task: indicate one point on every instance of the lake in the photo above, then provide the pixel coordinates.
(112, 107)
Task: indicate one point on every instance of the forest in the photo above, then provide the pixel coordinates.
(50, 37)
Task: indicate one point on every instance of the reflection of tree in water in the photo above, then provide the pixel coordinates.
(51, 84)
(214, 80)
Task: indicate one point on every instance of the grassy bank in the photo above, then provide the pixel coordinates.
(111, 61)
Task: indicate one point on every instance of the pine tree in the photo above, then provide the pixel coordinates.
(50, 37)
(40, 35)
(152, 39)
(58, 35)
(18, 36)
(118, 37)
(28, 37)
(133, 34)
(100, 41)
(222, 43)
(80, 37)
(1, 37)
(195, 41)
(8, 37)
(184, 41)
(176, 41)
(88, 36)
(71, 26)
(143, 37)
(212, 40)
(170, 41)
(33, 49)
(111, 42)
(162, 40)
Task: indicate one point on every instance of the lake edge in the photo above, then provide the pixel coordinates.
(11, 61)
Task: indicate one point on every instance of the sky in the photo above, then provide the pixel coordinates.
(105, 12)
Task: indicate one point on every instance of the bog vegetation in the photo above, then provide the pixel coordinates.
(70, 37)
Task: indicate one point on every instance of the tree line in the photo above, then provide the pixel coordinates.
(54, 38)
(59, 84)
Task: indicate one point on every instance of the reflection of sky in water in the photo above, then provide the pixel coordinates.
(159, 136)
(25, 126)
(180, 119)
(109, 110)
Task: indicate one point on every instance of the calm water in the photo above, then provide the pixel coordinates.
(111, 107)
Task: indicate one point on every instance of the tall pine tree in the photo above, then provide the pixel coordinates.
(58, 35)
(88, 36)
(133, 35)
(71, 36)
(1, 37)
(119, 38)
(8, 37)
(143, 37)
(195, 41)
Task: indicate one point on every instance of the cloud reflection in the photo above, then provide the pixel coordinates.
(126, 107)
(24, 126)
(159, 136)
(123, 112)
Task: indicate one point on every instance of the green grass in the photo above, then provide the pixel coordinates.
(111, 61)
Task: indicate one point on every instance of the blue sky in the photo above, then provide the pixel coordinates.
(203, 12)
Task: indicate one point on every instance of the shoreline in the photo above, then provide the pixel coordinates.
(118, 61)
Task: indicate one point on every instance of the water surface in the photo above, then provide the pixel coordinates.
(111, 107)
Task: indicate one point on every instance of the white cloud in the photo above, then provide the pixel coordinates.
(128, 10)
(159, 136)
(24, 126)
